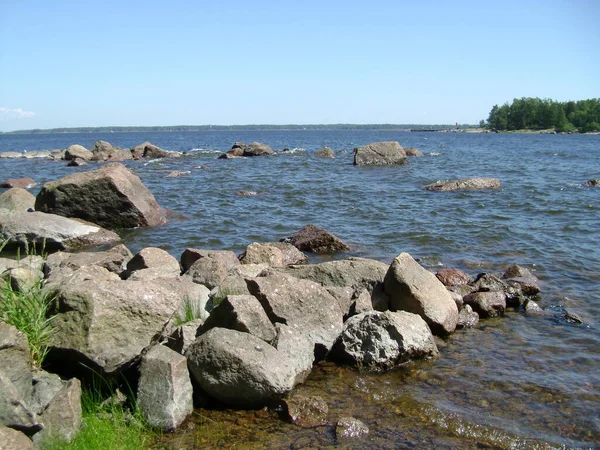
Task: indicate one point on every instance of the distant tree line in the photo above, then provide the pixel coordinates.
(542, 114)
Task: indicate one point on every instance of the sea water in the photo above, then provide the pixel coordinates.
(517, 382)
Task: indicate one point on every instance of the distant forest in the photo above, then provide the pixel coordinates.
(537, 114)
(181, 128)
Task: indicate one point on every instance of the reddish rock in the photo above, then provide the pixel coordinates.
(23, 183)
(453, 277)
(317, 240)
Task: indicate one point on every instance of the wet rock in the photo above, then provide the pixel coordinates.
(22, 183)
(62, 418)
(107, 323)
(178, 173)
(31, 229)
(487, 304)
(242, 313)
(165, 391)
(111, 196)
(156, 260)
(120, 154)
(411, 151)
(317, 240)
(380, 153)
(486, 282)
(325, 152)
(302, 304)
(17, 199)
(572, 316)
(152, 151)
(306, 411)
(257, 253)
(14, 440)
(258, 149)
(467, 317)
(414, 289)
(350, 428)
(453, 277)
(209, 267)
(382, 340)
(246, 193)
(78, 152)
(239, 368)
(592, 183)
(464, 183)
(531, 307)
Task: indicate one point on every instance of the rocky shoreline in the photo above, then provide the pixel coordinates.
(259, 321)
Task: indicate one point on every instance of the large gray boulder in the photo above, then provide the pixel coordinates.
(382, 340)
(22, 229)
(380, 154)
(464, 183)
(414, 289)
(243, 313)
(301, 304)
(298, 348)
(165, 394)
(208, 267)
(107, 323)
(78, 151)
(111, 196)
(316, 240)
(17, 199)
(239, 368)
(259, 253)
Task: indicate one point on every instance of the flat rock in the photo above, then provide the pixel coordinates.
(258, 149)
(154, 258)
(23, 229)
(306, 411)
(464, 183)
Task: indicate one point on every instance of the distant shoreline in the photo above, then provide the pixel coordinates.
(290, 127)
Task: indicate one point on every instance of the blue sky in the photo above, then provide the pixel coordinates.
(110, 63)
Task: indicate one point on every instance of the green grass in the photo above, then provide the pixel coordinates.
(27, 311)
(191, 311)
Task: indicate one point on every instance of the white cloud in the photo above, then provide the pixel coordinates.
(17, 113)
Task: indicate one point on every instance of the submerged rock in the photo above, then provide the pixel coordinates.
(464, 183)
(350, 428)
(325, 152)
(306, 411)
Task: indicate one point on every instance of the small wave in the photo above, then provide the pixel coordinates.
(294, 150)
(153, 161)
(204, 150)
(435, 153)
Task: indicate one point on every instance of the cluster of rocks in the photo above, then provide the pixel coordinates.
(78, 155)
(244, 330)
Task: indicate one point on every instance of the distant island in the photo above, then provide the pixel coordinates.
(183, 128)
(529, 113)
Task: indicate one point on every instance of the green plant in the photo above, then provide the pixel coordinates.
(191, 311)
